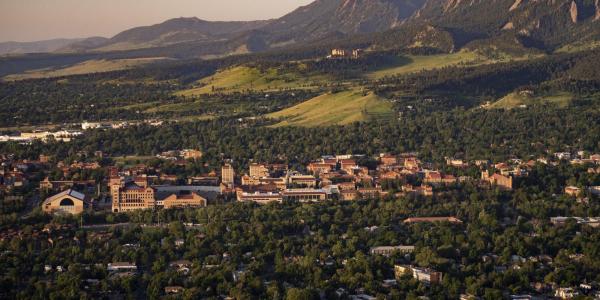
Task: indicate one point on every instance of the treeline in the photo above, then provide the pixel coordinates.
(472, 134)
(55, 101)
(295, 251)
(576, 72)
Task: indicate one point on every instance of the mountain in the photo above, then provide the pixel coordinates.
(319, 19)
(35, 47)
(176, 31)
(324, 17)
(544, 24)
(439, 25)
(424, 26)
(83, 45)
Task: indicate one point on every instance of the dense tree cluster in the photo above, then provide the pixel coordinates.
(284, 251)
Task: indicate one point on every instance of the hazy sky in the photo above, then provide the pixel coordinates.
(32, 20)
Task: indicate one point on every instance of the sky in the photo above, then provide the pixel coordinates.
(34, 20)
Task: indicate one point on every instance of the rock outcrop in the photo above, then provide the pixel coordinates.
(515, 5)
(574, 12)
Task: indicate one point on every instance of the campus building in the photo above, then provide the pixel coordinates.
(501, 181)
(227, 175)
(131, 195)
(183, 201)
(69, 202)
(258, 171)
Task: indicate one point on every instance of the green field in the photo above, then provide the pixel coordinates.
(417, 63)
(335, 109)
(86, 67)
(243, 78)
(514, 100)
(577, 47)
(414, 63)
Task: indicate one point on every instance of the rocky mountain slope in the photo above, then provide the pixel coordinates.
(538, 23)
(444, 25)
(323, 17)
(441, 25)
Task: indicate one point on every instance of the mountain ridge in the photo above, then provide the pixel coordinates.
(439, 25)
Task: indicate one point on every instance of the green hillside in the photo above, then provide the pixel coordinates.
(577, 47)
(243, 78)
(335, 109)
(417, 63)
(86, 67)
(516, 99)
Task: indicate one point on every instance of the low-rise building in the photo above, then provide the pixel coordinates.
(48, 185)
(566, 293)
(593, 222)
(349, 195)
(203, 180)
(318, 168)
(458, 163)
(305, 195)
(424, 190)
(172, 290)
(121, 267)
(421, 274)
(388, 159)
(573, 191)
(389, 250)
(372, 193)
(260, 197)
(258, 170)
(249, 180)
(453, 220)
(191, 154)
(501, 181)
(308, 181)
(182, 201)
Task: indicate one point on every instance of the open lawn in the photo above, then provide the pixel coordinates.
(335, 109)
(86, 67)
(131, 160)
(243, 78)
(514, 100)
